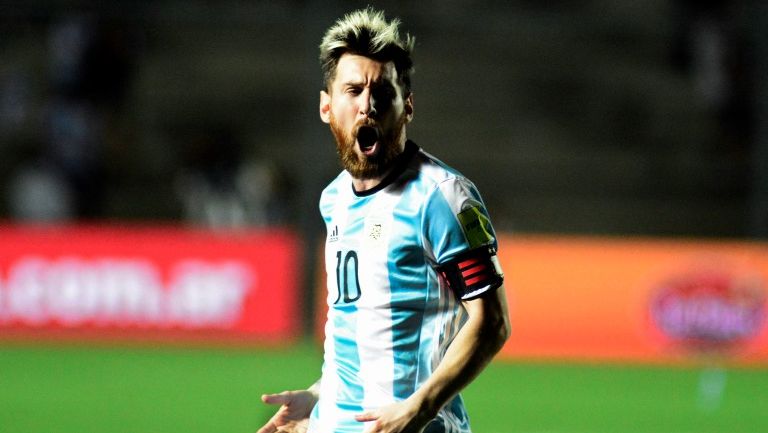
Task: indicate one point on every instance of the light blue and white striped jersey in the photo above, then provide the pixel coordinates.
(391, 316)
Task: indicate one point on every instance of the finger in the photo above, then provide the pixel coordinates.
(269, 427)
(281, 398)
(366, 416)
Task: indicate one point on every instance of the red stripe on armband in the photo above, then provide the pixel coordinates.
(473, 270)
(472, 273)
(476, 280)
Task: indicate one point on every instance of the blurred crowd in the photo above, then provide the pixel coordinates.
(67, 160)
(78, 146)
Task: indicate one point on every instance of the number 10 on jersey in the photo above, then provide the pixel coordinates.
(347, 282)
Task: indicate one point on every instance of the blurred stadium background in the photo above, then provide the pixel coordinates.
(615, 142)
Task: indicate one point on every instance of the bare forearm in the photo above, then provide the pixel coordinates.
(473, 348)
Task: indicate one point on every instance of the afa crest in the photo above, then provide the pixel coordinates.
(375, 231)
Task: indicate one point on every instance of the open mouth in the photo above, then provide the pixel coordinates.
(367, 136)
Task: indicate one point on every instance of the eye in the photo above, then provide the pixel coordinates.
(354, 90)
(384, 92)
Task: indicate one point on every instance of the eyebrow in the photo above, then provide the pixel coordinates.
(361, 83)
(353, 83)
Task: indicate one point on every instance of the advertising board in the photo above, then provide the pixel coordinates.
(148, 283)
(648, 300)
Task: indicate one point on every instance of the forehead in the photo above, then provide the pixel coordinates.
(354, 68)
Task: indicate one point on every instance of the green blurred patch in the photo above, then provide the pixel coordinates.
(169, 390)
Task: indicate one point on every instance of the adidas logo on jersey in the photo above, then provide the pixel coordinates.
(334, 234)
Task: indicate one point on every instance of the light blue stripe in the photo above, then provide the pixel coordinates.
(443, 229)
(327, 201)
(407, 267)
(347, 361)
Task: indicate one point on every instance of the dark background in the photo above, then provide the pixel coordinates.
(594, 117)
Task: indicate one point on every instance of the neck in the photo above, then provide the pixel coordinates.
(368, 183)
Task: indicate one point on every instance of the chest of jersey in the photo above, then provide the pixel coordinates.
(374, 254)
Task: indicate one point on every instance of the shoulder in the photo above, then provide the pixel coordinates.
(333, 186)
(443, 181)
(432, 170)
(332, 191)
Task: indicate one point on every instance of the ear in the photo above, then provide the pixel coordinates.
(325, 106)
(408, 106)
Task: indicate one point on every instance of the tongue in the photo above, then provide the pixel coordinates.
(367, 137)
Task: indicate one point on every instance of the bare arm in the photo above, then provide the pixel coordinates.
(478, 341)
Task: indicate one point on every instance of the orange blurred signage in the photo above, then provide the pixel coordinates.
(636, 299)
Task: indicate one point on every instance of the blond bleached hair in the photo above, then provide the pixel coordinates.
(367, 32)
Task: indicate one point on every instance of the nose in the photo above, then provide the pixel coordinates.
(368, 104)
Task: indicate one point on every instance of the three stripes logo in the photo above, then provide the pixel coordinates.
(474, 271)
(334, 234)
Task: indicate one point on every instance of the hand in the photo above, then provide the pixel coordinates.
(293, 415)
(400, 417)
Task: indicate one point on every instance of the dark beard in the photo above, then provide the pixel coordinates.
(364, 167)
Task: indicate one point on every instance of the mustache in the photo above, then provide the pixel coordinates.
(365, 122)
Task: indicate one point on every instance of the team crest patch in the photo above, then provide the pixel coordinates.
(476, 226)
(375, 231)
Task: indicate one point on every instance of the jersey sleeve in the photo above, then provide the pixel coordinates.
(463, 242)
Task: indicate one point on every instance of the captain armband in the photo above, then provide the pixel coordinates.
(472, 273)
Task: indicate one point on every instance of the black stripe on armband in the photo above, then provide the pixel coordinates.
(472, 273)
